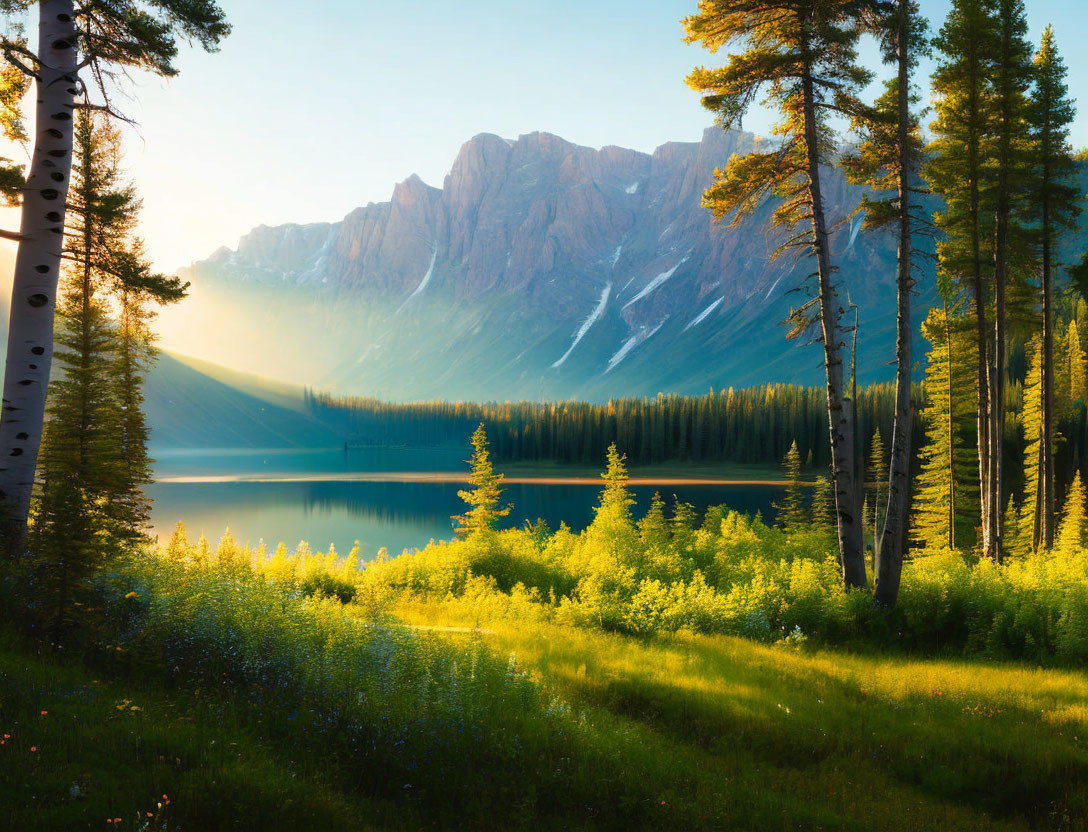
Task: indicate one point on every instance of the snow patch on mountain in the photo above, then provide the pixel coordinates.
(426, 278)
(632, 188)
(632, 342)
(655, 283)
(698, 319)
(594, 316)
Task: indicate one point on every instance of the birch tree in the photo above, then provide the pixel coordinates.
(803, 53)
(83, 50)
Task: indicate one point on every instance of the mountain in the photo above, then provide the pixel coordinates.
(541, 269)
(193, 404)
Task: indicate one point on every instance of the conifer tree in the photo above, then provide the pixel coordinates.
(653, 529)
(889, 160)
(616, 496)
(1056, 200)
(1072, 528)
(791, 514)
(483, 499)
(79, 49)
(823, 504)
(1069, 371)
(804, 54)
(945, 503)
(1008, 149)
(875, 468)
(1032, 506)
(1017, 541)
(1050, 114)
(956, 171)
(136, 290)
(92, 461)
(177, 548)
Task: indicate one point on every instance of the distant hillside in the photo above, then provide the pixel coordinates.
(193, 404)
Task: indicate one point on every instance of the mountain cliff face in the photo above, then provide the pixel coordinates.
(540, 268)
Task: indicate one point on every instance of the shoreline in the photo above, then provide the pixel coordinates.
(454, 477)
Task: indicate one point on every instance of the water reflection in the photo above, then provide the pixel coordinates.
(396, 515)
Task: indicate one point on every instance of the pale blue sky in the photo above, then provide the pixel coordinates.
(312, 109)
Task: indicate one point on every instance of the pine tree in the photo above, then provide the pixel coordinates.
(653, 529)
(1032, 506)
(957, 172)
(616, 496)
(78, 469)
(875, 473)
(804, 53)
(1017, 541)
(1073, 386)
(137, 289)
(80, 49)
(483, 499)
(1072, 528)
(1050, 114)
(889, 160)
(791, 514)
(823, 504)
(945, 496)
(177, 548)
(93, 459)
(1008, 149)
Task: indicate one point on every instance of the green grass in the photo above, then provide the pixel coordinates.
(791, 739)
(80, 750)
(694, 732)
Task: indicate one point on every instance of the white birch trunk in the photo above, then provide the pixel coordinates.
(37, 268)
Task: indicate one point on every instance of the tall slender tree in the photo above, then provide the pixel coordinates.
(81, 48)
(1011, 76)
(93, 461)
(957, 172)
(889, 161)
(803, 52)
(1050, 114)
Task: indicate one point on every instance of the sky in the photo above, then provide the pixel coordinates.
(311, 110)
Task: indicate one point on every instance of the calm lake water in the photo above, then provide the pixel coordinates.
(310, 495)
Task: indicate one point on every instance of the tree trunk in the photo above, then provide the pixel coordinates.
(984, 399)
(848, 519)
(37, 267)
(951, 437)
(1046, 459)
(997, 371)
(889, 553)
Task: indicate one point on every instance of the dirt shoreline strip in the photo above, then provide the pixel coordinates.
(455, 477)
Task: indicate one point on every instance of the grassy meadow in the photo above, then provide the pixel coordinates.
(640, 674)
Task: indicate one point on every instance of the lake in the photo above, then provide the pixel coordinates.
(387, 497)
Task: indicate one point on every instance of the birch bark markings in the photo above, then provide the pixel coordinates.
(37, 268)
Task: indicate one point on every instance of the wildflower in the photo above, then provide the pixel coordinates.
(44, 713)
(33, 748)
